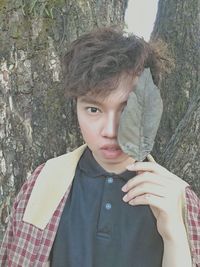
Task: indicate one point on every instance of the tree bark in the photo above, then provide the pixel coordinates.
(182, 154)
(177, 144)
(36, 122)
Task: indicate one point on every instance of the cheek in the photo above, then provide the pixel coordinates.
(88, 129)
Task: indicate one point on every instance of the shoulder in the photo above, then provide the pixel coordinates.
(31, 180)
(193, 213)
(29, 183)
(27, 187)
(35, 187)
(192, 200)
(193, 223)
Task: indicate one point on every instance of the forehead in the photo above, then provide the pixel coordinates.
(125, 85)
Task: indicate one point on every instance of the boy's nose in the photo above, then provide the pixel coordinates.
(110, 127)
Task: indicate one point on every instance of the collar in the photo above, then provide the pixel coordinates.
(51, 185)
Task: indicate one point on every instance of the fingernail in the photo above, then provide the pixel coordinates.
(124, 188)
(125, 198)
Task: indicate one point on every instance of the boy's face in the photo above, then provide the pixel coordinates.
(99, 120)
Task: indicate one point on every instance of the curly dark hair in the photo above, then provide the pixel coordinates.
(95, 61)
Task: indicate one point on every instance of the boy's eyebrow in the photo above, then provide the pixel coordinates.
(90, 100)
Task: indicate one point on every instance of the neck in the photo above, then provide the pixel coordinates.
(116, 168)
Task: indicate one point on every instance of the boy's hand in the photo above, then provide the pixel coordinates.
(161, 190)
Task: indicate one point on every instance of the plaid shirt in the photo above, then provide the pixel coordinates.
(26, 245)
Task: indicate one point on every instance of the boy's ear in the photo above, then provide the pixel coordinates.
(140, 119)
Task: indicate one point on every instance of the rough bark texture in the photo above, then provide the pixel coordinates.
(182, 154)
(178, 142)
(36, 123)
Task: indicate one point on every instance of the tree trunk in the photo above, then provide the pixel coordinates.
(178, 142)
(36, 123)
(182, 154)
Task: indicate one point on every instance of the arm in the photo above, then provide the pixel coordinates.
(176, 250)
(162, 191)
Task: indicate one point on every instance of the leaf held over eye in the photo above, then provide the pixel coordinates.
(140, 119)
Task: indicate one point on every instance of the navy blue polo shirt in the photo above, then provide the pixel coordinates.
(98, 229)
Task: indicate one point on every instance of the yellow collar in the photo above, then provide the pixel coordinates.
(50, 187)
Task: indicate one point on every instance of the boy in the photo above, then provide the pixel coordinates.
(96, 206)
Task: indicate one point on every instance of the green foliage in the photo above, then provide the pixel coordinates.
(40, 8)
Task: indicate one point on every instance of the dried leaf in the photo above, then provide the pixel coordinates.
(140, 119)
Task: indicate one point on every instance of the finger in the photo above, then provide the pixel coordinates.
(147, 166)
(147, 188)
(158, 205)
(148, 199)
(145, 177)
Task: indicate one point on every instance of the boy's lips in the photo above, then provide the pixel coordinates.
(110, 147)
(111, 151)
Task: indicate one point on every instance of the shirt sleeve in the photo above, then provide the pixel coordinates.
(16, 213)
(193, 224)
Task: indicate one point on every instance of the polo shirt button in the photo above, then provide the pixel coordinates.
(108, 206)
(110, 180)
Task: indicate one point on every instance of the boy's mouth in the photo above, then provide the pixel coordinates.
(111, 147)
(111, 151)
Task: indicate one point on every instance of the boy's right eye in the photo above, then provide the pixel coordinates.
(92, 109)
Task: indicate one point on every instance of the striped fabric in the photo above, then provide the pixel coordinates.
(193, 225)
(26, 245)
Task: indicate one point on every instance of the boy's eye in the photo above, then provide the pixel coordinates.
(92, 109)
